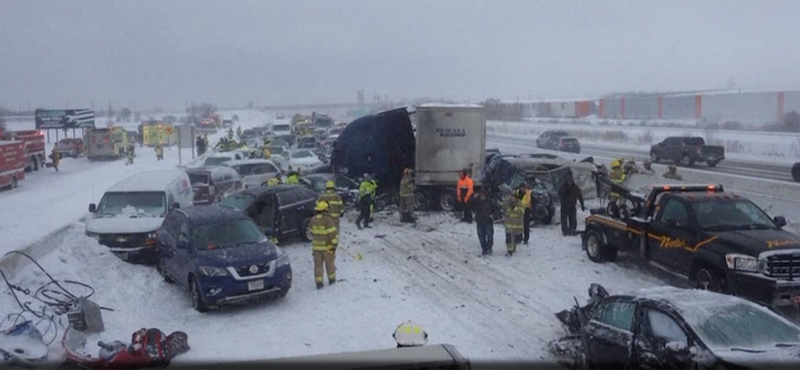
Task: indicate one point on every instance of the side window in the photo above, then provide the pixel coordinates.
(287, 198)
(674, 210)
(661, 327)
(617, 314)
(170, 225)
(170, 199)
(183, 230)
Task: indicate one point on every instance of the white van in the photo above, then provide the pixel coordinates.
(130, 212)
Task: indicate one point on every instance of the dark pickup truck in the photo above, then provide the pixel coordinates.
(687, 150)
(723, 242)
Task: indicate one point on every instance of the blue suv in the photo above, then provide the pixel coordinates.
(221, 257)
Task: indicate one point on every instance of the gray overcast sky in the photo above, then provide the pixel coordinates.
(149, 54)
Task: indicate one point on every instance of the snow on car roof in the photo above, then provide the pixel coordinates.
(154, 180)
(694, 304)
(247, 161)
(448, 105)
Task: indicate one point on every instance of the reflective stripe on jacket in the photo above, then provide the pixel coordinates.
(465, 186)
(323, 230)
(513, 214)
(334, 202)
(406, 187)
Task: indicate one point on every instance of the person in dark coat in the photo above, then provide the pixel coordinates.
(201, 145)
(486, 210)
(569, 194)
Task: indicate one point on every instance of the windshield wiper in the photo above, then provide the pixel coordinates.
(719, 228)
(748, 350)
(243, 243)
(782, 345)
(753, 227)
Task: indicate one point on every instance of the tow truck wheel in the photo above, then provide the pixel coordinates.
(708, 278)
(447, 201)
(595, 249)
(654, 157)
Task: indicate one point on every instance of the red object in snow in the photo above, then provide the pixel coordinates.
(12, 163)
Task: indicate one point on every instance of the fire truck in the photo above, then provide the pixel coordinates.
(158, 132)
(33, 148)
(12, 163)
(106, 143)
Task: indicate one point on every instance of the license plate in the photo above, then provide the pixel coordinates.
(255, 285)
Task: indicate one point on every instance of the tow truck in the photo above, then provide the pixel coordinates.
(722, 242)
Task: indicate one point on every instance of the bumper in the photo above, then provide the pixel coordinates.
(713, 159)
(219, 291)
(131, 249)
(763, 289)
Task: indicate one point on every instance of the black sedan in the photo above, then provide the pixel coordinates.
(672, 328)
(280, 211)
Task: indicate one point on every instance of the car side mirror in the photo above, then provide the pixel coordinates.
(780, 221)
(93, 208)
(174, 206)
(182, 244)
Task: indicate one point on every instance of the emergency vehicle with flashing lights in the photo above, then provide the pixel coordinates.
(721, 241)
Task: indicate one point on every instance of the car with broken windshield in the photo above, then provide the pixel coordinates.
(221, 257)
(673, 328)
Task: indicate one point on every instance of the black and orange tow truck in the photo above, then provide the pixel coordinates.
(721, 241)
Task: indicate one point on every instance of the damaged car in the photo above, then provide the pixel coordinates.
(673, 328)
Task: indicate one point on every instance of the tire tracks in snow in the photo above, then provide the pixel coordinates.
(440, 279)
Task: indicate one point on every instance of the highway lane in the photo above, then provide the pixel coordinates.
(727, 166)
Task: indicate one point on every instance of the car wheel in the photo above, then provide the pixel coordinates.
(709, 278)
(35, 162)
(712, 164)
(73, 153)
(796, 172)
(305, 231)
(447, 201)
(595, 249)
(654, 157)
(162, 270)
(198, 303)
(687, 161)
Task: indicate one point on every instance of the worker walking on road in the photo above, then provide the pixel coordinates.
(159, 152)
(366, 195)
(524, 195)
(486, 211)
(514, 214)
(200, 143)
(465, 189)
(569, 194)
(55, 156)
(409, 334)
(325, 240)
(130, 155)
(335, 204)
(407, 197)
(672, 173)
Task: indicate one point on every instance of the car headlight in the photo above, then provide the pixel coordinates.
(283, 258)
(741, 262)
(209, 271)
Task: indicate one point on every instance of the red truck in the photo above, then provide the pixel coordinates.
(33, 149)
(12, 163)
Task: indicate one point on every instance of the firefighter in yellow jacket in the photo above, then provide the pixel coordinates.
(324, 241)
(335, 204)
(618, 177)
(514, 213)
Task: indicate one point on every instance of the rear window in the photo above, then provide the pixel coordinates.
(213, 161)
(570, 141)
(200, 178)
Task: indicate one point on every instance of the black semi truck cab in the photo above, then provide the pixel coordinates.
(721, 241)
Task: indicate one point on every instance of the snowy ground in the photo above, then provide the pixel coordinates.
(493, 308)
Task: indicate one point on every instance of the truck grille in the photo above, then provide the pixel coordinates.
(783, 266)
(123, 240)
(244, 271)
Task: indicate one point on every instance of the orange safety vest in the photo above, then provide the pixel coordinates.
(464, 186)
